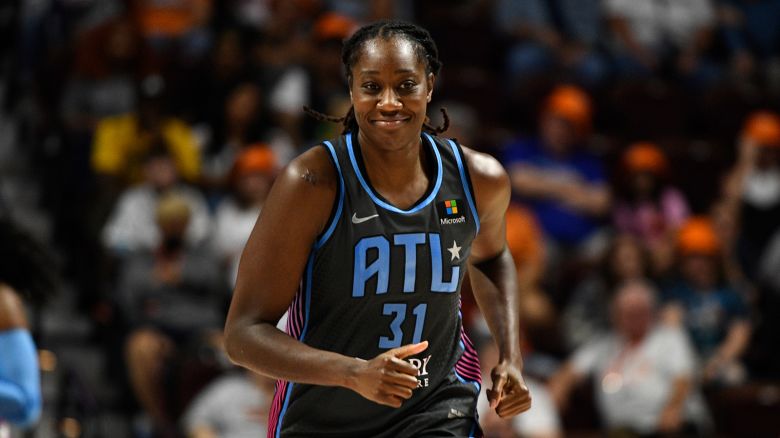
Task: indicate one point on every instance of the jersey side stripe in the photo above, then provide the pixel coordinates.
(297, 310)
(468, 364)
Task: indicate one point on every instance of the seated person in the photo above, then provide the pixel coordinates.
(564, 186)
(234, 405)
(647, 205)
(131, 225)
(643, 371)
(236, 214)
(174, 300)
(715, 315)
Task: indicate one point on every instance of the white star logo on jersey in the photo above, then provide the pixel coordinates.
(455, 251)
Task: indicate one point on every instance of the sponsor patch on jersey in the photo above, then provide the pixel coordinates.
(451, 212)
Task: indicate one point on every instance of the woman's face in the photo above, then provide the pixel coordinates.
(390, 91)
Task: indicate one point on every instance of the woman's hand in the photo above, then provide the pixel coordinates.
(388, 379)
(510, 395)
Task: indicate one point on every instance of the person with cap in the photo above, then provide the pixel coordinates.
(647, 206)
(327, 85)
(752, 187)
(714, 314)
(251, 179)
(563, 184)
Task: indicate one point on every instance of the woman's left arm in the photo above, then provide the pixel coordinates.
(494, 282)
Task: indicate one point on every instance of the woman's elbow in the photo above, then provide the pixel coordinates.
(233, 345)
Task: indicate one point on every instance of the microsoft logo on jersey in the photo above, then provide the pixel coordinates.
(451, 212)
(451, 207)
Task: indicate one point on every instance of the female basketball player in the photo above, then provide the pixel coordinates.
(366, 241)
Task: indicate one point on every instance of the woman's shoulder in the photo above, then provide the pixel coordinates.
(12, 311)
(314, 167)
(484, 167)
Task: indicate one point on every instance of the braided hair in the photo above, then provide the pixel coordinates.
(425, 49)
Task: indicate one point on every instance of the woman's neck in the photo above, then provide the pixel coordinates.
(398, 172)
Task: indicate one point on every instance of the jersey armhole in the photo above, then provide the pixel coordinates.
(465, 178)
(338, 203)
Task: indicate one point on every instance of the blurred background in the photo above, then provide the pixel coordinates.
(139, 139)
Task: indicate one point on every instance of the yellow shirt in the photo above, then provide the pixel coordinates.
(119, 147)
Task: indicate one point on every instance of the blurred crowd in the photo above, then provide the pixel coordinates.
(642, 139)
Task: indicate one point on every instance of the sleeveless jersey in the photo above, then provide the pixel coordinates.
(380, 277)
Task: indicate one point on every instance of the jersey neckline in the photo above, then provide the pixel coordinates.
(378, 199)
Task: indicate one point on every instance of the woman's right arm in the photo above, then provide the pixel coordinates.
(296, 212)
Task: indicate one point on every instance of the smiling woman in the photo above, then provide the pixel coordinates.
(365, 242)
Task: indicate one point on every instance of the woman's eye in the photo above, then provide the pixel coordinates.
(371, 87)
(407, 85)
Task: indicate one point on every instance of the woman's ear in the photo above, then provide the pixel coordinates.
(431, 79)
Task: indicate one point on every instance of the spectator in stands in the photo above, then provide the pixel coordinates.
(121, 142)
(562, 184)
(752, 189)
(524, 238)
(27, 277)
(278, 57)
(131, 226)
(715, 316)
(103, 82)
(179, 24)
(644, 372)
(173, 297)
(234, 405)
(327, 89)
(647, 206)
(223, 70)
(236, 215)
(244, 123)
(539, 46)
(586, 315)
(525, 242)
(752, 38)
(659, 36)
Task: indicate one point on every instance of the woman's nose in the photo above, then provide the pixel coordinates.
(389, 101)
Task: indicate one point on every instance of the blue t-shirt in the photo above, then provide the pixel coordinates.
(558, 221)
(708, 314)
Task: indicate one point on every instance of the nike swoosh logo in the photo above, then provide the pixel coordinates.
(358, 220)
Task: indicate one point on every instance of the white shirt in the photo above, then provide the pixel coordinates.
(633, 385)
(233, 227)
(655, 22)
(233, 406)
(132, 224)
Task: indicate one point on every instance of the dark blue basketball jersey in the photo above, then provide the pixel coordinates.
(380, 277)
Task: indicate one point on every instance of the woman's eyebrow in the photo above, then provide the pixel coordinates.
(374, 72)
